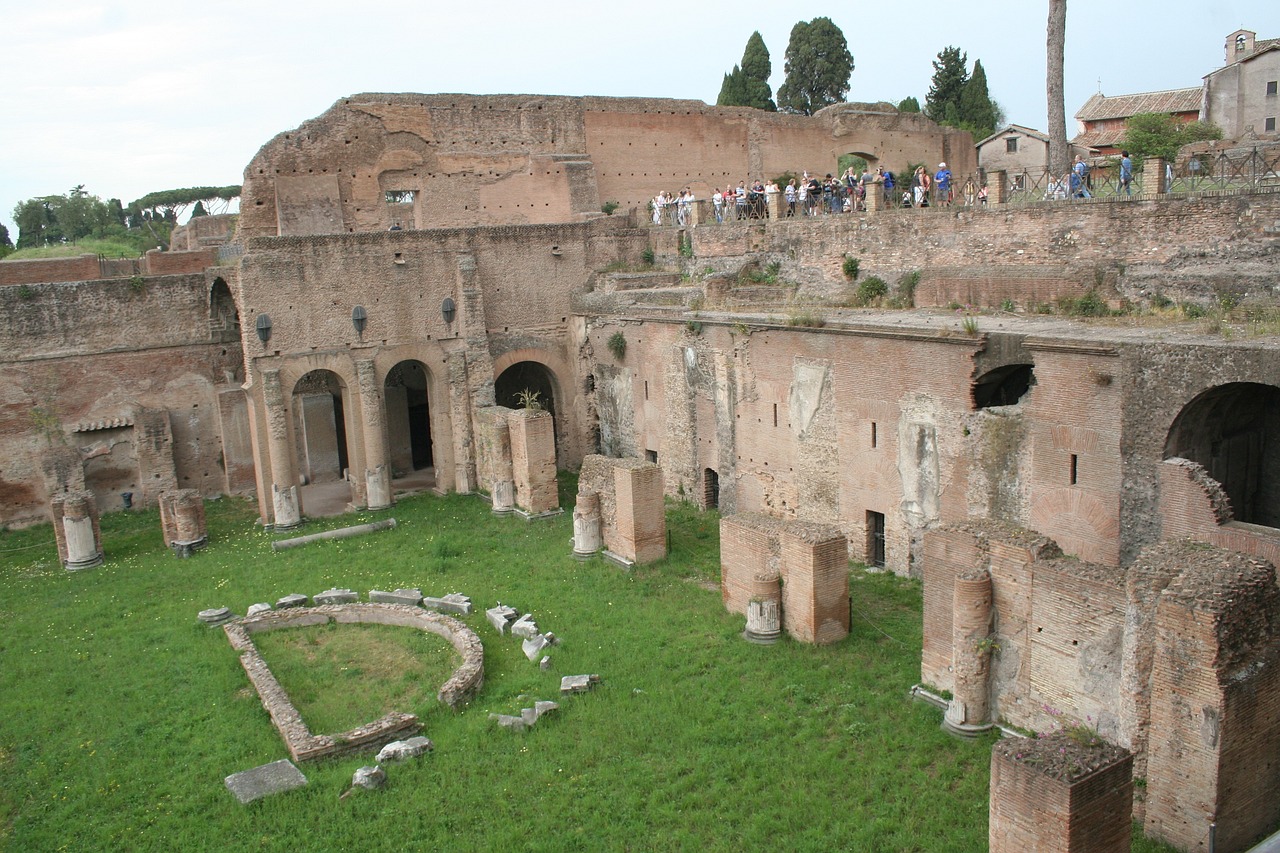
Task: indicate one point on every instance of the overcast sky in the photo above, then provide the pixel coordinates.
(132, 98)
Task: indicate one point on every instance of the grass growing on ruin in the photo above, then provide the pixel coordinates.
(120, 714)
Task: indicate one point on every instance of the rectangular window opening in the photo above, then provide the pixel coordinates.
(873, 434)
(646, 389)
(1270, 125)
(1075, 468)
(775, 414)
(651, 456)
(1011, 145)
(1271, 86)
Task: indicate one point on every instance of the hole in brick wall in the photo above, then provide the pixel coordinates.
(1075, 468)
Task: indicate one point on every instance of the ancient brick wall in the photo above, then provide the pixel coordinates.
(1193, 506)
(178, 263)
(1215, 703)
(632, 512)
(533, 460)
(477, 160)
(41, 270)
(81, 358)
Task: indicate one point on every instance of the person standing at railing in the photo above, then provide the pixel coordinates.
(920, 187)
(1126, 174)
(815, 195)
(659, 202)
(1079, 179)
(942, 181)
(887, 177)
(789, 193)
(717, 201)
(970, 192)
(1194, 168)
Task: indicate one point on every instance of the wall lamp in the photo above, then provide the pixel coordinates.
(359, 319)
(263, 325)
(448, 310)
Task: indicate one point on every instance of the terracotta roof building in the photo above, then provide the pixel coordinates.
(1102, 119)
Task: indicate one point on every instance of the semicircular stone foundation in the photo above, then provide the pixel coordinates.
(466, 680)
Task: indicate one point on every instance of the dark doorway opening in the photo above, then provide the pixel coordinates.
(320, 417)
(522, 377)
(1233, 431)
(710, 489)
(409, 417)
(875, 539)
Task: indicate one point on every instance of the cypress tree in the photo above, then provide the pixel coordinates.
(978, 113)
(949, 77)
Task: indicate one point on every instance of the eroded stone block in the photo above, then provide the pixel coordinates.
(273, 778)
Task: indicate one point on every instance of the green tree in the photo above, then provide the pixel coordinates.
(818, 65)
(732, 91)
(756, 69)
(978, 113)
(199, 210)
(909, 104)
(6, 245)
(942, 104)
(1161, 135)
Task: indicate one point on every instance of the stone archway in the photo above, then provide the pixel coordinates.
(1233, 431)
(406, 396)
(532, 377)
(320, 406)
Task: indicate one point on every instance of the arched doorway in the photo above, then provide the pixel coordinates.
(528, 378)
(224, 319)
(408, 406)
(1233, 431)
(319, 413)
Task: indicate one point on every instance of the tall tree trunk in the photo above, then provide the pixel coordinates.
(1059, 153)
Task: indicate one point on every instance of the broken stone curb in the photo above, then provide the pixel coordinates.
(402, 750)
(527, 718)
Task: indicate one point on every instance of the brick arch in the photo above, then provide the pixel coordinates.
(1082, 524)
(550, 360)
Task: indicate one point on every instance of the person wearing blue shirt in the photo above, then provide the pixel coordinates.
(942, 180)
(1126, 172)
(1079, 174)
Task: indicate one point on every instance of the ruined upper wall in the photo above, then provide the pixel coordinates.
(531, 159)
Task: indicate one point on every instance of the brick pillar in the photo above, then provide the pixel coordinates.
(967, 712)
(997, 187)
(75, 527)
(377, 468)
(464, 461)
(815, 563)
(640, 515)
(153, 444)
(182, 521)
(286, 507)
(775, 202)
(586, 525)
(1053, 793)
(1153, 181)
(875, 197)
(533, 460)
(695, 213)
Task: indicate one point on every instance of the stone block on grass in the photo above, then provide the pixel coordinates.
(263, 781)
(412, 597)
(336, 596)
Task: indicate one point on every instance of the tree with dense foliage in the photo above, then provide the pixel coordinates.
(818, 66)
(909, 104)
(748, 84)
(6, 245)
(1056, 38)
(942, 103)
(1161, 135)
(978, 113)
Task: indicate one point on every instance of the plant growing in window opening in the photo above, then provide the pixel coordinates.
(618, 345)
(609, 207)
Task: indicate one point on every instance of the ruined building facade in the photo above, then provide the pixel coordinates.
(403, 262)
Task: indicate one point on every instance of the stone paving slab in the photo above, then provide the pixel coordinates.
(274, 778)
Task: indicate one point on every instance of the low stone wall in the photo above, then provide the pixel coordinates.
(302, 744)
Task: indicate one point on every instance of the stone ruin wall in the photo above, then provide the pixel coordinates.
(826, 426)
(91, 366)
(1225, 245)
(478, 160)
(1174, 657)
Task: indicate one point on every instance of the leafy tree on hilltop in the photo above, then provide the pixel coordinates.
(909, 104)
(818, 65)
(942, 104)
(1161, 135)
(748, 84)
(6, 245)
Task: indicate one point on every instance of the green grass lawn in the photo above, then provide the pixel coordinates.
(111, 248)
(120, 714)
